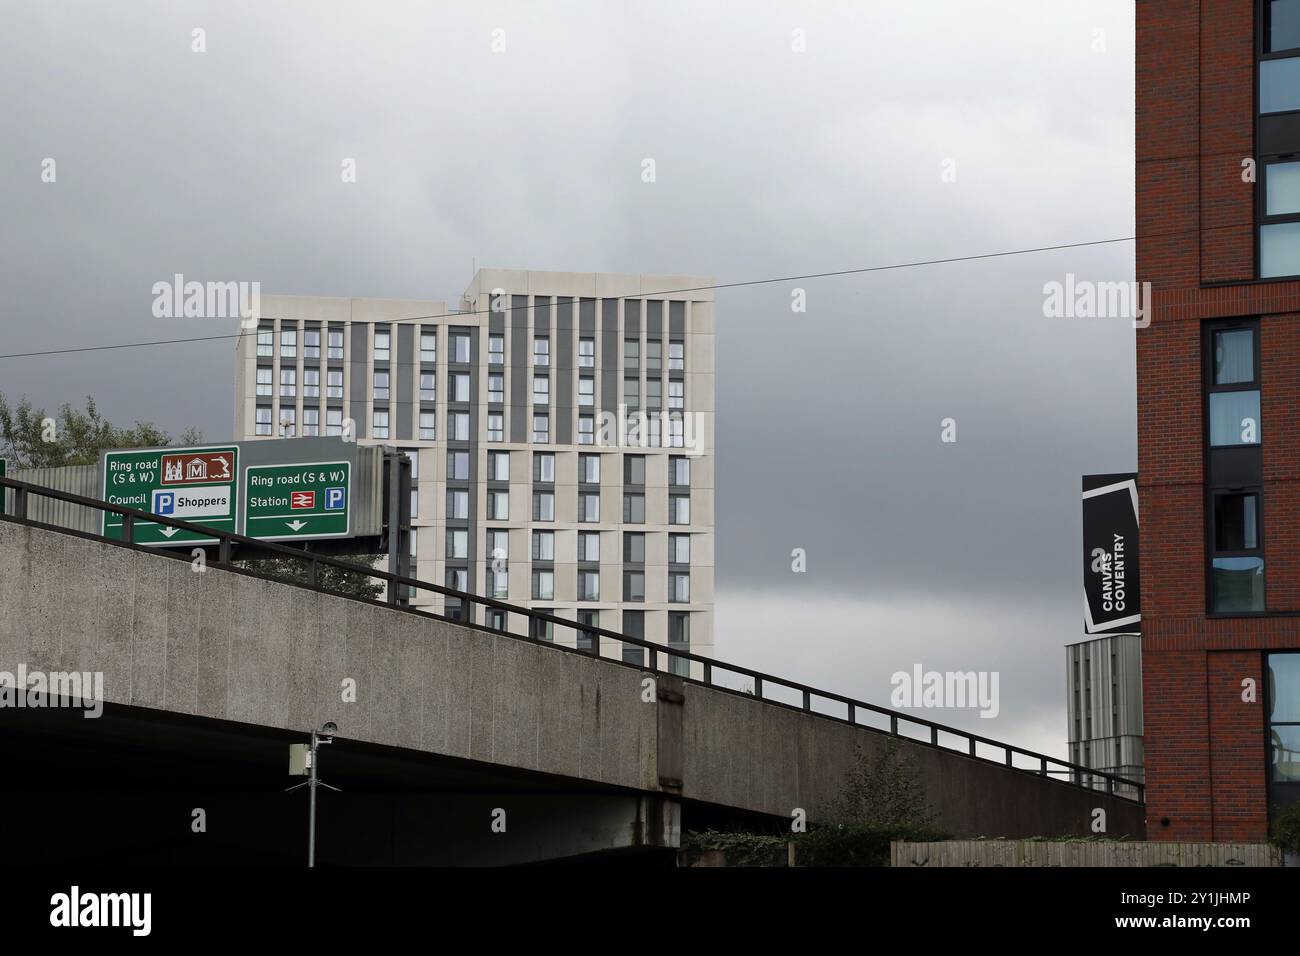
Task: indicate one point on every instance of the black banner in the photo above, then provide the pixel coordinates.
(1110, 555)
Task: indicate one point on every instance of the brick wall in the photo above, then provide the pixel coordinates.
(1205, 747)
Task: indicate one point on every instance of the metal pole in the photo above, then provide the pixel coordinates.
(311, 820)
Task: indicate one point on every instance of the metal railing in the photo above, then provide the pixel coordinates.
(845, 709)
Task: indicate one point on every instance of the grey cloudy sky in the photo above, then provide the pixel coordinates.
(225, 165)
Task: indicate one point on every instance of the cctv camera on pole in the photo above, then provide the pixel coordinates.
(302, 760)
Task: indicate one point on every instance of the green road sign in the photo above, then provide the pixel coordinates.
(303, 500)
(189, 484)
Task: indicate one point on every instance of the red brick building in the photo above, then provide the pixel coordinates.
(1218, 380)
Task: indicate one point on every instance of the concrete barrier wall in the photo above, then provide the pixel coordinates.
(228, 646)
(739, 752)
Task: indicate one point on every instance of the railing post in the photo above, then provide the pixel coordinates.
(1010, 754)
(223, 552)
(708, 673)
(128, 528)
(934, 735)
(853, 713)
(20, 504)
(758, 687)
(893, 724)
(807, 700)
(313, 572)
(1042, 766)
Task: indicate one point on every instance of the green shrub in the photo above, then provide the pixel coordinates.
(1286, 829)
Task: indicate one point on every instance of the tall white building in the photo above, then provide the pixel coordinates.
(560, 427)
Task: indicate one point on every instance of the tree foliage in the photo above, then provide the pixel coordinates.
(31, 438)
(329, 578)
(884, 792)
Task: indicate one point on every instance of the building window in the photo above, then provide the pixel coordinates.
(589, 469)
(588, 585)
(383, 342)
(428, 387)
(631, 354)
(653, 355)
(679, 548)
(1234, 471)
(263, 420)
(1284, 717)
(459, 422)
(589, 546)
(333, 421)
(679, 471)
(334, 384)
(459, 386)
(458, 466)
(310, 422)
(1234, 387)
(288, 343)
(499, 466)
(541, 351)
(460, 348)
(381, 424)
(634, 509)
(496, 426)
(653, 393)
(495, 619)
(288, 422)
(586, 353)
(496, 389)
(335, 340)
(265, 384)
(543, 545)
(679, 639)
(498, 503)
(653, 431)
(311, 383)
(676, 356)
(265, 343)
(586, 391)
(457, 544)
(288, 382)
(586, 430)
(542, 630)
(634, 469)
(498, 585)
(679, 587)
(634, 626)
(543, 506)
(541, 390)
(429, 347)
(428, 426)
(544, 466)
(679, 509)
(632, 392)
(676, 394)
(542, 429)
(543, 585)
(458, 504)
(381, 386)
(634, 586)
(311, 343)
(634, 547)
(496, 350)
(588, 640)
(1278, 189)
(588, 507)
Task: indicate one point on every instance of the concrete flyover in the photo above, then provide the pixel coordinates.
(229, 647)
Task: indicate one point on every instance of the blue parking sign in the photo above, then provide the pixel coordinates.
(335, 499)
(164, 502)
